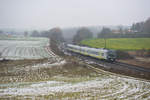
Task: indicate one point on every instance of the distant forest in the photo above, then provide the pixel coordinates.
(77, 34)
(137, 30)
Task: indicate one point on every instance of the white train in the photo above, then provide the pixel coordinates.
(109, 55)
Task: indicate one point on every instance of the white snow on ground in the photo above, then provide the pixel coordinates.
(48, 65)
(25, 48)
(106, 88)
(53, 86)
(110, 87)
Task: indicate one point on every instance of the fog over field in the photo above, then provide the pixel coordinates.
(39, 14)
(75, 49)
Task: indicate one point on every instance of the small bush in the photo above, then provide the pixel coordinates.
(55, 49)
(123, 55)
(0, 54)
(143, 53)
(148, 53)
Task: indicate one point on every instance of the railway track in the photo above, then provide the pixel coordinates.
(134, 67)
(114, 65)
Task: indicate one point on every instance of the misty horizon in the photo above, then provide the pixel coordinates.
(39, 14)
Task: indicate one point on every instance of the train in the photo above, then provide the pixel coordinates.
(99, 53)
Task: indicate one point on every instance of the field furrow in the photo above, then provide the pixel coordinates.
(26, 48)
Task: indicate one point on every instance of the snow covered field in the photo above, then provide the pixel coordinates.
(25, 48)
(57, 79)
(95, 86)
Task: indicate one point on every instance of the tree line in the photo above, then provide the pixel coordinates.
(141, 27)
(56, 34)
(137, 30)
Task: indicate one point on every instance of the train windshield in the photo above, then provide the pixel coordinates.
(112, 54)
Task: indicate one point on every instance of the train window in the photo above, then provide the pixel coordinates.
(96, 53)
(82, 50)
(90, 52)
(70, 47)
(93, 52)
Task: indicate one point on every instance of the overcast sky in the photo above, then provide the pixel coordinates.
(46, 14)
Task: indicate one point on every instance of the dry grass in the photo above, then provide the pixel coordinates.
(84, 83)
(22, 71)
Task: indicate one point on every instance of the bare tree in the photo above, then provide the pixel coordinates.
(35, 34)
(56, 35)
(105, 33)
(26, 33)
(147, 26)
(82, 33)
(1, 32)
(0, 55)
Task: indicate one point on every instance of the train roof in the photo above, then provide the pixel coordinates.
(88, 48)
(95, 49)
(71, 45)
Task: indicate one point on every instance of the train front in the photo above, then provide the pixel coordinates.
(111, 55)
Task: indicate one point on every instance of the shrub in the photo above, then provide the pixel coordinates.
(142, 53)
(123, 55)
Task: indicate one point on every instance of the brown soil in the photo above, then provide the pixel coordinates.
(11, 63)
(140, 58)
(138, 62)
(18, 71)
